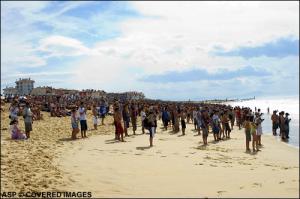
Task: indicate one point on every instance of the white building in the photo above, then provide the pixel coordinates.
(24, 86)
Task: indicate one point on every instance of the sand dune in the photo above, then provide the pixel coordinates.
(177, 166)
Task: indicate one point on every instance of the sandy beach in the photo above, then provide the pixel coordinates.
(177, 166)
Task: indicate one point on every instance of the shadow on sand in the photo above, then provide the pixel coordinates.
(67, 139)
(143, 147)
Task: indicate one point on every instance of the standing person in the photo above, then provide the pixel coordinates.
(126, 119)
(95, 119)
(195, 118)
(226, 125)
(143, 116)
(176, 120)
(254, 135)
(183, 124)
(102, 111)
(258, 121)
(151, 118)
(199, 120)
(287, 125)
(74, 124)
(275, 122)
(118, 124)
(83, 123)
(27, 115)
(215, 126)
(268, 110)
(13, 111)
(281, 125)
(231, 118)
(239, 118)
(165, 118)
(204, 126)
(247, 126)
(133, 115)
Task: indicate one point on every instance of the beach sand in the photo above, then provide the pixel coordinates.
(177, 166)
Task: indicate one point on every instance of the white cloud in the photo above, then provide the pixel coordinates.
(62, 46)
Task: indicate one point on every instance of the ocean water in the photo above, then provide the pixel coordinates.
(286, 104)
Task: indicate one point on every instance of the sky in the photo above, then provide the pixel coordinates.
(167, 50)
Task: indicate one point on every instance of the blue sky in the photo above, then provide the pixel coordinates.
(168, 50)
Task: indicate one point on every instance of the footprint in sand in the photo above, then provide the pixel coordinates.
(241, 187)
(281, 182)
(220, 192)
(257, 184)
(137, 154)
(163, 156)
(213, 165)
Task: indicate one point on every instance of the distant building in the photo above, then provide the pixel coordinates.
(10, 91)
(24, 86)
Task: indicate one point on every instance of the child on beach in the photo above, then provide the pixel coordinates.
(74, 124)
(16, 133)
(133, 115)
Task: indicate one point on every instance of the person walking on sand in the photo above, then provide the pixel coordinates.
(27, 115)
(275, 122)
(151, 118)
(74, 124)
(95, 119)
(83, 123)
(165, 118)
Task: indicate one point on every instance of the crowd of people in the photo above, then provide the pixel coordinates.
(218, 119)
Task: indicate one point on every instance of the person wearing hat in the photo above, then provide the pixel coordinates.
(275, 122)
(27, 115)
(287, 125)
